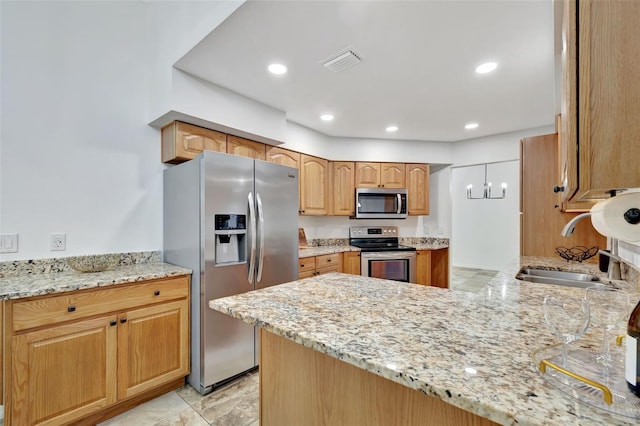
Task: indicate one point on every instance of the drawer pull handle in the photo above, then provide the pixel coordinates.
(302, 265)
(113, 322)
(328, 260)
(123, 320)
(71, 308)
(156, 293)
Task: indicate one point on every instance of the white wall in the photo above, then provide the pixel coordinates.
(489, 149)
(76, 154)
(486, 233)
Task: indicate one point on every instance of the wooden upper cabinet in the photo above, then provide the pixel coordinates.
(283, 156)
(182, 142)
(367, 175)
(392, 175)
(599, 108)
(245, 148)
(343, 188)
(418, 188)
(380, 175)
(314, 182)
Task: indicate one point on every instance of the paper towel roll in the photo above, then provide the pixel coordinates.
(618, 217)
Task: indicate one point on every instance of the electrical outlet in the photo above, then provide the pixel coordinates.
(58, 242)
(8, 243)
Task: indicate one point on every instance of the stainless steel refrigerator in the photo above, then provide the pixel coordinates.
(233, 221)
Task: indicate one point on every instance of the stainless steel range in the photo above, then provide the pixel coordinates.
(381, 254)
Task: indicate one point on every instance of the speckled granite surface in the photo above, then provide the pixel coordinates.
(472, 350)
(339, 245)
(49, 276)
(59, 264)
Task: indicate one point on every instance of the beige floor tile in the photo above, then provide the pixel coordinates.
(150, 413)
(186, 417)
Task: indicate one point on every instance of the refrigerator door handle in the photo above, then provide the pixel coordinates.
(252, 224)
(261, 231)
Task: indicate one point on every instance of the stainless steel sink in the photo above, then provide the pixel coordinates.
(567, 279)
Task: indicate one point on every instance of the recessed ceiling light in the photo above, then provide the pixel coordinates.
(326, 117)
(470, 126)
(277, 68)
(391, 128)
(486, 67)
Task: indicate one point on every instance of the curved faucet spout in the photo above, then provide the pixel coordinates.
(568, 229)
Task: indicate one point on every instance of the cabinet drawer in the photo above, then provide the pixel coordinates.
(306, 264)
(327, 269)
(327, 260)
(79, 304)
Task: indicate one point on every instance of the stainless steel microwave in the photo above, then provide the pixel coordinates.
(381, 203)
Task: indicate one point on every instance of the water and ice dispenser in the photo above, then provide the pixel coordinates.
(231, 236)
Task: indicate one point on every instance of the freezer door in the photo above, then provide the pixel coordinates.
(277, 211)
(228, 343)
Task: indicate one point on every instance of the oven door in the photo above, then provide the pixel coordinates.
(389, 265)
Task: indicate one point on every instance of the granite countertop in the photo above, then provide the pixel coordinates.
(472, 350)
(420, 243)
(37, 284)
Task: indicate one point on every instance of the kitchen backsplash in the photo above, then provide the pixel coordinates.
(45, 266)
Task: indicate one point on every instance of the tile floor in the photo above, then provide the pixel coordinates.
(236, 403)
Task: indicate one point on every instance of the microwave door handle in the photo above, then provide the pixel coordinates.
(399, 203)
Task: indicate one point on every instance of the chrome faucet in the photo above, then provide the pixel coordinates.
(568, 229)
(613, 271)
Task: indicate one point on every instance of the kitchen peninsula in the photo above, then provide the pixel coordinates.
(345, 349)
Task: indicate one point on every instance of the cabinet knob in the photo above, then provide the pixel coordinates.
(71, 308)
(156, 293)
(123, 320)
(302, 265)
(557, 189)
(113, 322)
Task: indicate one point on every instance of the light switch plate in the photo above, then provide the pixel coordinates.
(8, 243)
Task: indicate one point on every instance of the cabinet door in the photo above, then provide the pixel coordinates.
(541, 219)
(182, 142)
(245, 148)
(351, 262)
(418, 188)
(600, 95)
(283, 156)
(314, 178)
(343, 188)
(392, 175)
(440, 268)
(367, 175)
(153, 347)
(423, 267)
(63, 373)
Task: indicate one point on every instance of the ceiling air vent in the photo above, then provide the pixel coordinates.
(343, 60)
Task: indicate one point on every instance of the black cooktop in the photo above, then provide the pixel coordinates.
(373, 244)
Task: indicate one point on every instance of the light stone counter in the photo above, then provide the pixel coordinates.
(339, 246)
(49, 276)
(472, 350)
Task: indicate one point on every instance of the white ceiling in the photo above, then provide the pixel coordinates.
(418, 68)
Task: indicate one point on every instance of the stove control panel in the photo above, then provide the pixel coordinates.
(373, 231)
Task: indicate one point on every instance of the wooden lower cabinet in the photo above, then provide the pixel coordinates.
(318, 265)
(351, 262)
(73, 370)
(432, 267)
